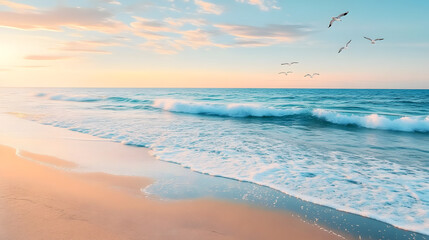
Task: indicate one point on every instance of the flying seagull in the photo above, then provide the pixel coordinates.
(288, 64)
(338, 18)
(285, 73)
(311, 75)
(373, 41)
(345, 47)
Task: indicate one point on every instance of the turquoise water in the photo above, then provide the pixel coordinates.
(360, 151)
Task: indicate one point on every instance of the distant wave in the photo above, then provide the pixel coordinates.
(372, 121)
(228, 110)
(375, 121)
(87, 98)
(74, 98)
(125, 99)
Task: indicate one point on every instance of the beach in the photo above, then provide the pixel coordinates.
(204, 119)
(205, 155)
(42, 202)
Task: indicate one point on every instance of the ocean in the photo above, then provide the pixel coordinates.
(360, 151)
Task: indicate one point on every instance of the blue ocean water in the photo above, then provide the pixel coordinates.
(360, 151)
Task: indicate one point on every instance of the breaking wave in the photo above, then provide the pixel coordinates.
(372, 121)
(87, 98)
(227, 110)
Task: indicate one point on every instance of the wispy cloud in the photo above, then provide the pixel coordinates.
(264, 5)
(170, 35)
(263, 36)
(87, 46)
(208, 8)
(179, 22)
(32, 66)
(162, 46)
(55, 19)
(150, 25)
(114, 2)
(16, 6)
(197, 39)
(46, 57)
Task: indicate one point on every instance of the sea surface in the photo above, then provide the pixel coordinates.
(360, 151)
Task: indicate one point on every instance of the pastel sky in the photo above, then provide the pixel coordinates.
(213, 43)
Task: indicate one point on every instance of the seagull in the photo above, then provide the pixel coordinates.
(345, 47)
(288, 64)
(373, 41)
(338, 18)
(285, 73)
(311, 75)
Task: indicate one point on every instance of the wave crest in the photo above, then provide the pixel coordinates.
(88, 98)
(227, 110)
(375, 121)
(74, 98)
(372, 121)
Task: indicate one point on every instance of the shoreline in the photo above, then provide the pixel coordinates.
(46, 203)
(97, 154)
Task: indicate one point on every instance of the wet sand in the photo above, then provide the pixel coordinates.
(41, 202)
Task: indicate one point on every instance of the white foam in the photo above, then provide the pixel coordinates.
(229, 110)
(375, 121)
(386, 179)
(74, 98)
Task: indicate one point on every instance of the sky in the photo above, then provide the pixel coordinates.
(213, 43)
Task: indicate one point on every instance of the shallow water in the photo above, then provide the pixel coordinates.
(361, 151)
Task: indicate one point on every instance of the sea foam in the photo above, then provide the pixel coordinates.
(228, 110)
(375, 121)
(88, 98)
(378, 174)
(372, 121)
(75, 98)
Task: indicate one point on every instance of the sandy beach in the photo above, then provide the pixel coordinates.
(41, 202)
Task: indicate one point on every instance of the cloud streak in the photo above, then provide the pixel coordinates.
(46, 57)
(208, 8)
(263, 36)
(87, 46)
(57, 18)
(264, 5)
(16, 6)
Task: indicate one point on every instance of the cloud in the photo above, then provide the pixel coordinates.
(263, 36)
(179, 22)
(264, 5)
(208, 8)
(45, 57)
(115, 2)
(33, 66)
(163, 46)
(87, 46)
(150, 25)
(141, 7)
(169, 36)
(151, 29)
(70, 17)
(16, 6)
(197, 39)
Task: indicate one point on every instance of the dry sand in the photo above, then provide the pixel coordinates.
(40, 202)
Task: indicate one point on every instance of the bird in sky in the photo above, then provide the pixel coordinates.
(288, 64)
(373, 41)
(337, 18)
(311, 75)
(345, 47)
(285, 73)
